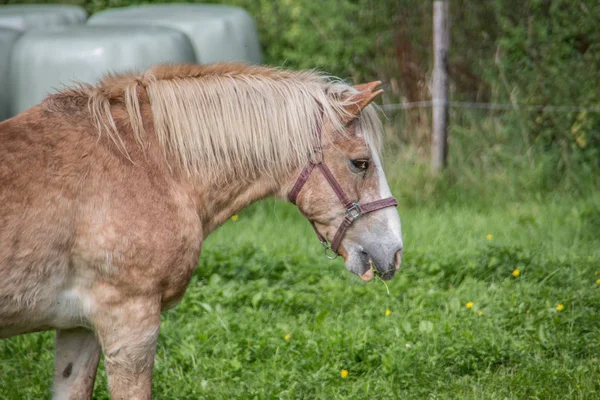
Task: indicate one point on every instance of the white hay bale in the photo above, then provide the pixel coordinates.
(8, 38)
(24, 17)
(217, 32)
(46, 60)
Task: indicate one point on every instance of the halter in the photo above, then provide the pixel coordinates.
(354, 210)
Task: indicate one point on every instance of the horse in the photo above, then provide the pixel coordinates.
(107, 192)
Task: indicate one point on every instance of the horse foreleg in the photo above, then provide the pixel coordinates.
(76, 362)
(128, 334)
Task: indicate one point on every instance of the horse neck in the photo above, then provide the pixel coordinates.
(217, 203)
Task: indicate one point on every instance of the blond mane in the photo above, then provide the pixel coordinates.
(229, 120)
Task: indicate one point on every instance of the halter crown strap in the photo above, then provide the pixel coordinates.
(302, 178)
(353, 210)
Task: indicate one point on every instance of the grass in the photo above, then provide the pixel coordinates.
(267, 316)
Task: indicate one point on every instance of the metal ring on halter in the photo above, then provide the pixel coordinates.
(327, 249)
(354, 211)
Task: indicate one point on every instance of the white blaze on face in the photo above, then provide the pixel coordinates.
(390, 214)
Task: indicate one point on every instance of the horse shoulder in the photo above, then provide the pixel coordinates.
(137, 230)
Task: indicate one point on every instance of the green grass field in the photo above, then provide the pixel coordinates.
(266, 316)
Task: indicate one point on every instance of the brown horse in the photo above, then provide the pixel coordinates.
(107, 192)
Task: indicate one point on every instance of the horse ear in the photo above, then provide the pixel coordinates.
(366, 94)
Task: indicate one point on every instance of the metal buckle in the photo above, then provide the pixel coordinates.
(329, 253)
(354, 211)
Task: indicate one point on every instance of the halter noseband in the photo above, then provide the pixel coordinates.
(354, 210)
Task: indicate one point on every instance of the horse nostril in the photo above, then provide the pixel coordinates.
(398, 259)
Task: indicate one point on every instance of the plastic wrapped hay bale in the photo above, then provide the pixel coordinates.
(46, 60)
(218, 33)
(8, 38)
(24, 17)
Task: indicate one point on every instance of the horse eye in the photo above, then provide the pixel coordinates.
(359, 165)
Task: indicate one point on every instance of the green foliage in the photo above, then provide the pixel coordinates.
(549, 54)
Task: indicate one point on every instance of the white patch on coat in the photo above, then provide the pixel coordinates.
(71, 309)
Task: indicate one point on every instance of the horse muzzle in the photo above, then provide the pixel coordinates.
(367, 264)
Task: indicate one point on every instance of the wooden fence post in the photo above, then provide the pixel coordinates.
(441, 44)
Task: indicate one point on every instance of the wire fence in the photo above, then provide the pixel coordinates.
(487, 106)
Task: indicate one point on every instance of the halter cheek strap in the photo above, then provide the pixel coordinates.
(354, 210)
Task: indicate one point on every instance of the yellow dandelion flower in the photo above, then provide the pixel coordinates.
(469, 304)
(596, 273)
(598, 281)
(479, 313)
(344, 373)
(288, 336)
(560, 307)
(234, 217)
(489, 236)
(388, 313)
(516, 273)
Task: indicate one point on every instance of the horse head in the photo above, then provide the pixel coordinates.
(344, 192)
